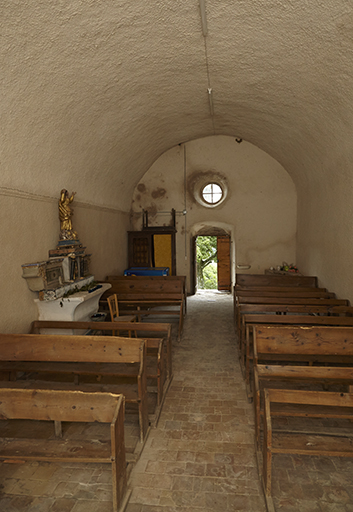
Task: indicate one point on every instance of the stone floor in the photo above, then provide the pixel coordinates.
(201, 455)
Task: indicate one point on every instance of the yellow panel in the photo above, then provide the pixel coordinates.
(163, 251)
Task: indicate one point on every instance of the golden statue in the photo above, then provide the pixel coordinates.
(65, 214)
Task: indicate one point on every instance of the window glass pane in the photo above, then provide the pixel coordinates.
(212, 193)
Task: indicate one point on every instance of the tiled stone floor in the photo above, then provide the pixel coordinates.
(201, 456)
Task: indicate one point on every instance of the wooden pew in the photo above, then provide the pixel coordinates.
(284, 297)
(276, 280)
(182, 279)
(312, 404)
(159, 349)
(296, 292)
(288, 301)
(76, 361)
(297, 354)
(71, 406)
(290, 309)
(249, 321)
(146, 295)
(239, 289)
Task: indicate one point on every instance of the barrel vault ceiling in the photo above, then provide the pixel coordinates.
(94, 92)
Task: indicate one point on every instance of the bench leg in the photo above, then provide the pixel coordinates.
(181, 319)
(267, 449)
(118, 461)
(143, 408)
(257, 418)
(58, 429)
(169, 358)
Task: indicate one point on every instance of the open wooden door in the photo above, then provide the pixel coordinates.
(193, 270)
(223, 267)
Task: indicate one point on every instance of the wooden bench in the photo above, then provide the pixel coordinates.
(278, 297)
(145, 295)
(276, 280)
(182, 279)
(70, 406)
(295, 354)
(77, 361)
(239, 289)
(296, 292)
(306, 404)
(249, 321)
(288, 301)
(291, 309)
(159, 349)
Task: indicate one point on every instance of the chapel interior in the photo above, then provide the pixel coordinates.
(108, 99)
(135, 106)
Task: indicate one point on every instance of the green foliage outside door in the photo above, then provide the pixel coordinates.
(206, 262)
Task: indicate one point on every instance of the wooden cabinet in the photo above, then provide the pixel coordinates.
(153, 247)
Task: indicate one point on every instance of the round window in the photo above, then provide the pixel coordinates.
(212, 193)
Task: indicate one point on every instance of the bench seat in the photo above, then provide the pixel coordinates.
(159, 348)
(68, 406)
(307, 404)
(288, 356)
(147, 295)
(62, 357)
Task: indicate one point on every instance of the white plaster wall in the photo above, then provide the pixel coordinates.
(30, 227)
(260, 208)
(94, 92)
(325, 233)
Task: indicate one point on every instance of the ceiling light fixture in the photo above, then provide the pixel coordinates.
(203, 17)
(210, 100)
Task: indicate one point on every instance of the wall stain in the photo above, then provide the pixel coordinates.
(141, 187)
(158, 192)
(152, 210)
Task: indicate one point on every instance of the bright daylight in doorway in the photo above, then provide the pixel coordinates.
(206, 262)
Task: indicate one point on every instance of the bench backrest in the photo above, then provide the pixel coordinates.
(153, 278)
(307, 309)
(145, 284)
(296, 292)
(294, 300)
(59, 405)
(297, 319)
(321, 398)
(269, 372)
(240, 289)
(299, 340)
(57, 347)
(275, 280)
(161, 329)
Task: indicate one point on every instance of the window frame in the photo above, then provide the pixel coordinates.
(211, 194)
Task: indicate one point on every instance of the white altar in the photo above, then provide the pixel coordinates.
(78, 307)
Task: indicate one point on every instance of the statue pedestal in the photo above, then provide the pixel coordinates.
(77, 307)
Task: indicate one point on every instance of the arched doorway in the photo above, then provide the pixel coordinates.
(213, 262)
(224, 249)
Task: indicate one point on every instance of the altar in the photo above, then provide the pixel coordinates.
(66, 288)
(78, 307)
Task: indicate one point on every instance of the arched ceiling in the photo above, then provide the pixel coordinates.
(94, 92)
